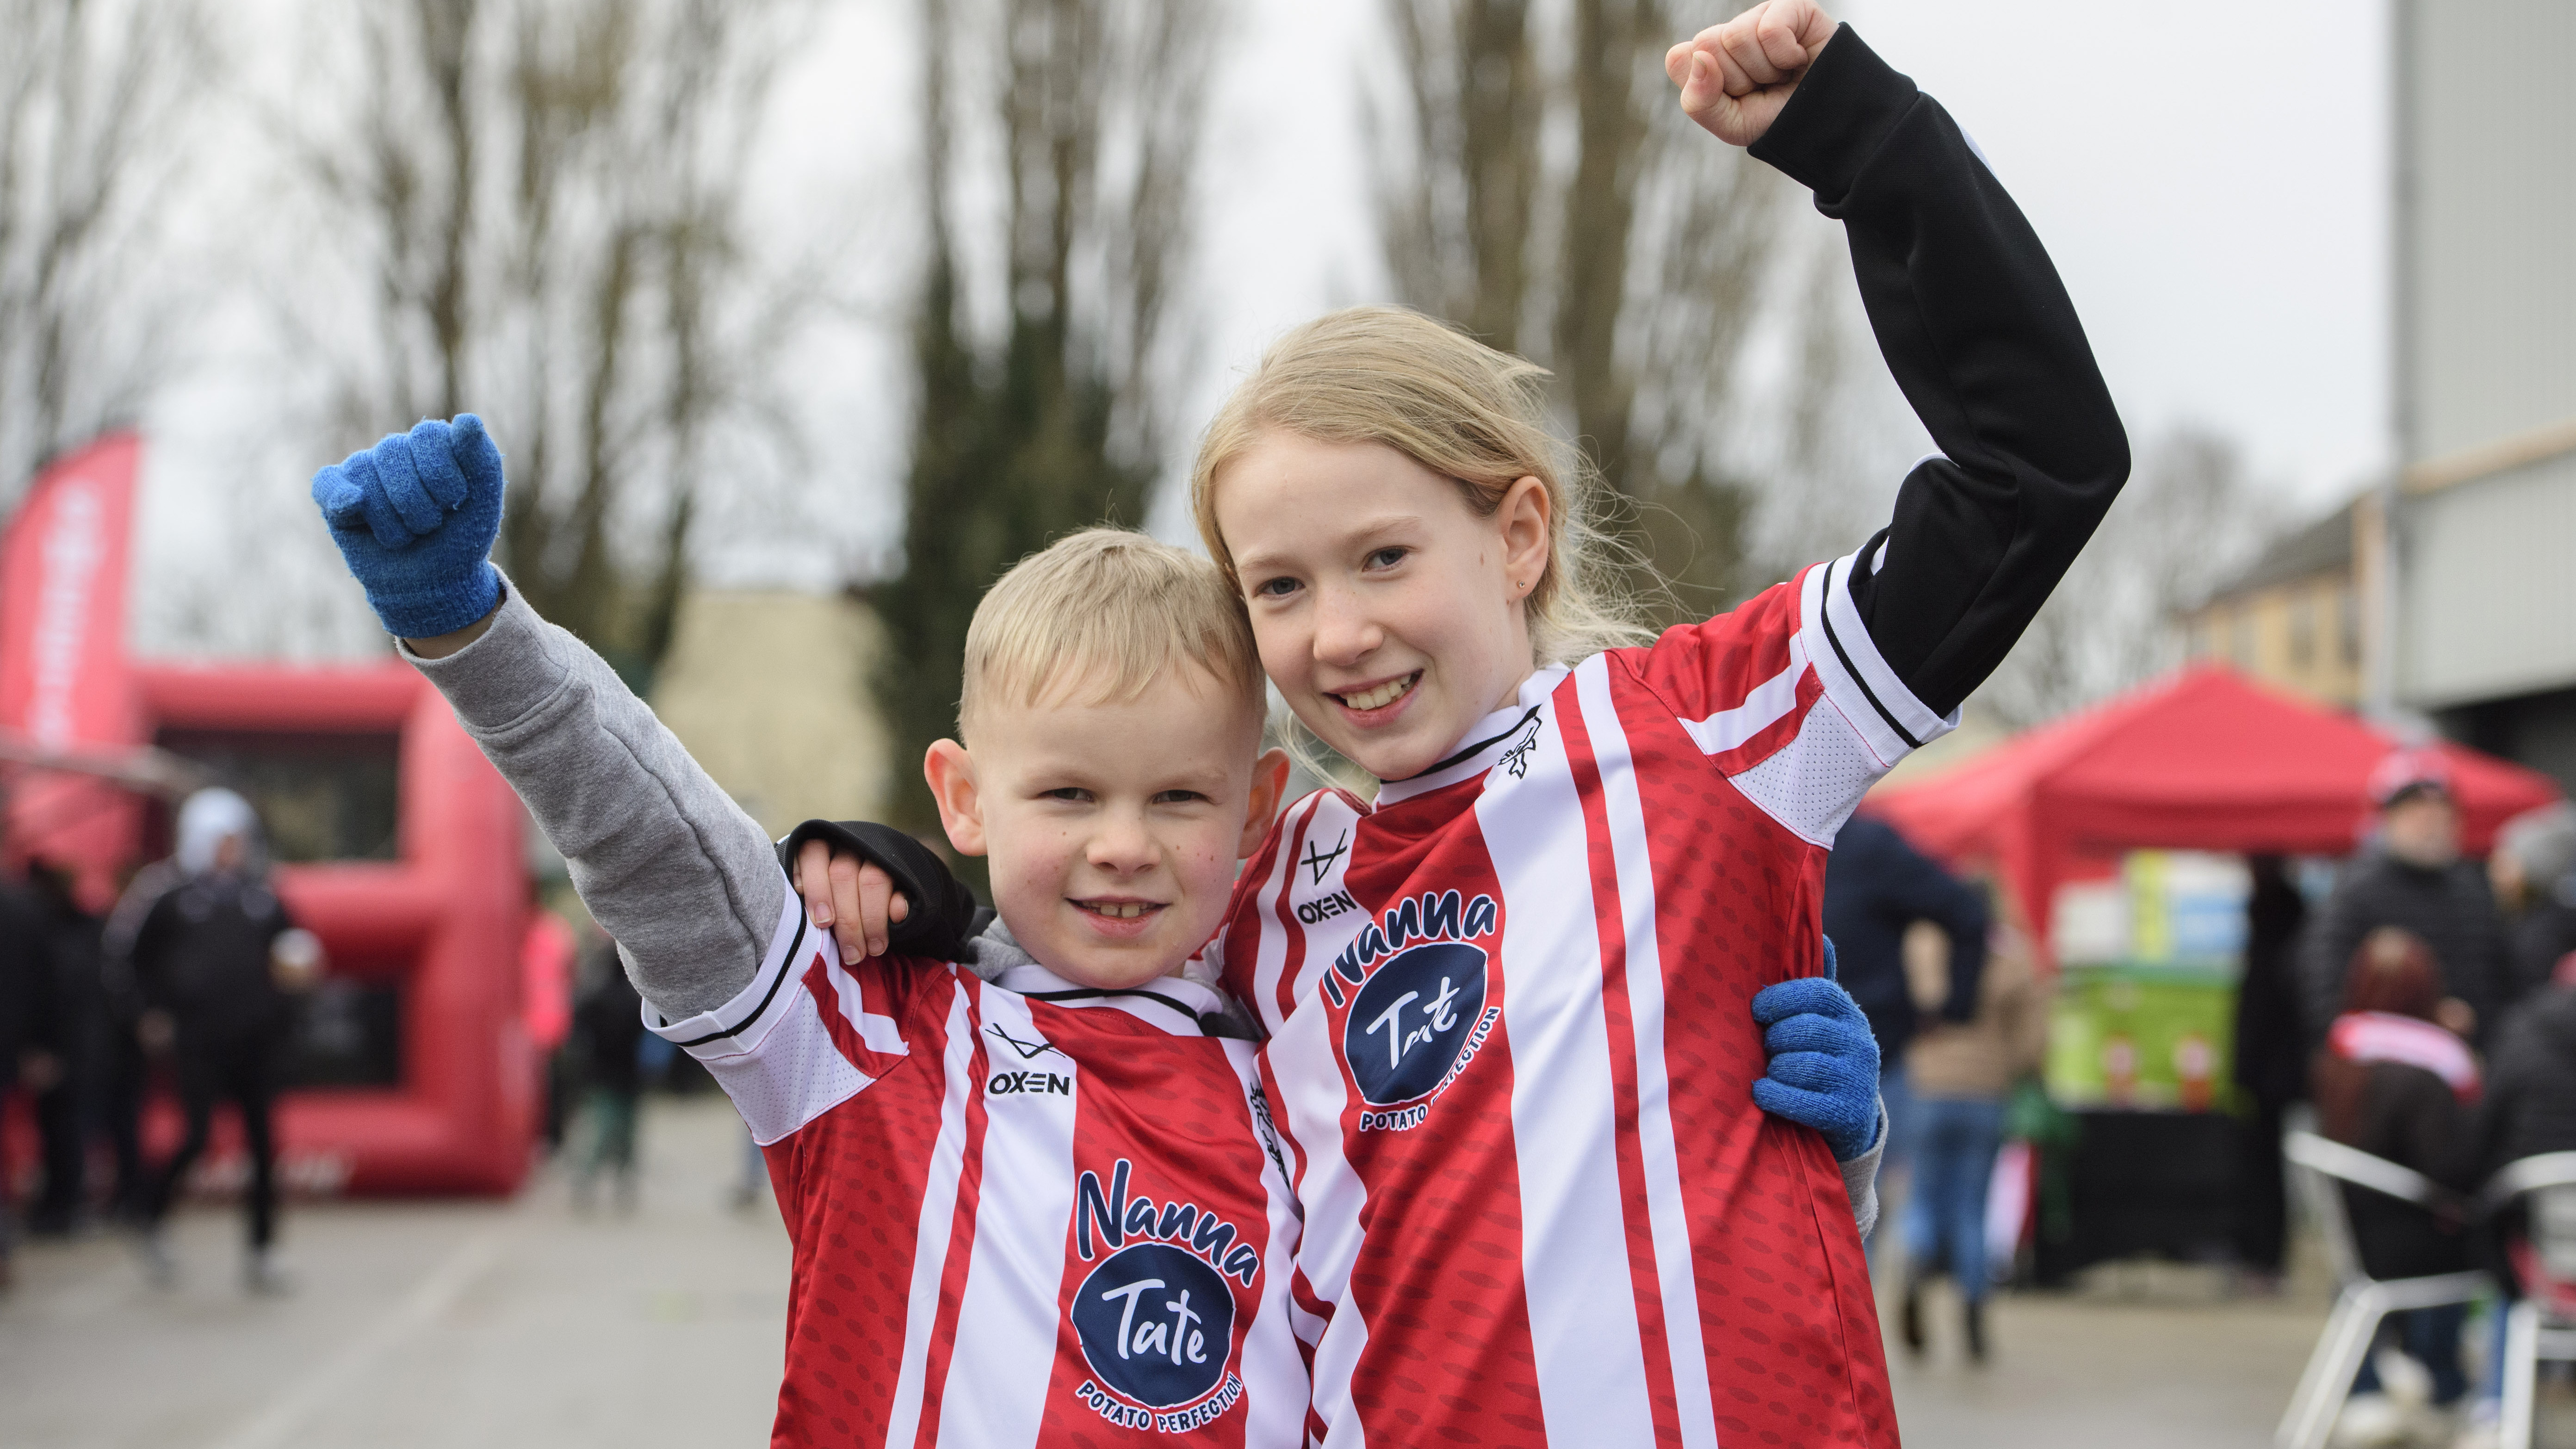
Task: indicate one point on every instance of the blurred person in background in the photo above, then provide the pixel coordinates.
(608, 1037)
(1876, 886)
(216, 962)
(24, 968)
(2271, 1066)
(1961, 1075)
(2395, 1082)
(2530, 1109)
(2533, 871)
(76, 1108)
(2411, 876)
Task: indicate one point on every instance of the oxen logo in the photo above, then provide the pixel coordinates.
(1419, 1014)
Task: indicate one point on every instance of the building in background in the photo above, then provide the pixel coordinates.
(2483, 597)
(769, 691)
(2293, 618)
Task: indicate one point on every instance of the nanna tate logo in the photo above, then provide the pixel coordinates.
(1156, 1316)
(1419, 1015)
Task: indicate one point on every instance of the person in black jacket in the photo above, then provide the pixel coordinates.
(2412, 877)
(25, 986)
(202, 935)
(74, 1102)
(2271, 1060)
(2533, 871)
(2393, 1082)
(1876, 885)
(607, 1033)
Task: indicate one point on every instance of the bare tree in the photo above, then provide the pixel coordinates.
(2189, 518)
(1635, 271)
(1091, 112)
(95, 100)
(547, 204)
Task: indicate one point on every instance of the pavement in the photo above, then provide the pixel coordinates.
(495, 1325)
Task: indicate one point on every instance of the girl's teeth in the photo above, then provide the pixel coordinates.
(1382, 696)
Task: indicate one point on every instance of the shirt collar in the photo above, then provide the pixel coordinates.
(1503, 735)
(1173, 1003)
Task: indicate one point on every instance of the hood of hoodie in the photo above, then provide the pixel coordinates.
(205, 820)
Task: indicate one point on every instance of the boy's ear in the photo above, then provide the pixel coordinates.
(1269, 785)
(951, 773)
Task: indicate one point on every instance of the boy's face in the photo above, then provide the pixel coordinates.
(1112, 829)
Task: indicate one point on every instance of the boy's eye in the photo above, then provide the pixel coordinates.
(1070, 794)
(1178, 797)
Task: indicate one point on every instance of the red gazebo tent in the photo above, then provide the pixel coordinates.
(2200, 760)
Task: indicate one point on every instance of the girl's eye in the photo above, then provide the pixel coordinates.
(1275, 588)
(1387, 558)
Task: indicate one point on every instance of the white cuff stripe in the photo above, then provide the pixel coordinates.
(754, 1009)
(1888, 716)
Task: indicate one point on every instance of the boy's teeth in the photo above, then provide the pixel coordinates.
(1382, 696)
(1126, 912)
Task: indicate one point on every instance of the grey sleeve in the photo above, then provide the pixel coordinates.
(1860, 1179)
(684, 881)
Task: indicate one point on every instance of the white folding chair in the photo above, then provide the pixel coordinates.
(2537, 1326)
(2321, 1166)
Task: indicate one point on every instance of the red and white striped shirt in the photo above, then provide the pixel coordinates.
(1015, 1222)
(1513, 1053)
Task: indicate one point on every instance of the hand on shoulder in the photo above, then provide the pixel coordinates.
(1736, 77)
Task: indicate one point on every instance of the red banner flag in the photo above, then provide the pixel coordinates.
(65, 685)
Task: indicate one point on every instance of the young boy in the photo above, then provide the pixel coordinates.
(1031, 1184)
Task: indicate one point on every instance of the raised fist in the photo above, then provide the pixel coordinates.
(415, 517)
(1735, 77)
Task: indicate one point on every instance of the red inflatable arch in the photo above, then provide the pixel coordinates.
(424, 939)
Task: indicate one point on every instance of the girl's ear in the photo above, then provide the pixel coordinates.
(1523, 519)
(951, 773)
(1269, 784)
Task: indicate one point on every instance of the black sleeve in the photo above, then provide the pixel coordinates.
(943, 909)
(1984, 341)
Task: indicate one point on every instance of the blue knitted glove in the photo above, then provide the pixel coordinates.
(415, 516)
(1824, 1062)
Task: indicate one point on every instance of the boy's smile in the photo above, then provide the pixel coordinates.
(1113, 828)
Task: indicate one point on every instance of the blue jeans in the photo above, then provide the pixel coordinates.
(1954, 1145)
(1898, 1099)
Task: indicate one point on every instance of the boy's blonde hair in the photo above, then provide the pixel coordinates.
(1107, 612)
(1468, 412)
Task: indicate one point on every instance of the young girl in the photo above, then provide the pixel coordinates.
(1507, 998)
(1511, 1001)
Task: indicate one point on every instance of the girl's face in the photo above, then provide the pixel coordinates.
(1389, 615)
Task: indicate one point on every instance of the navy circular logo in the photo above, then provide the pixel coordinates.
(1410, 1021)
(1157, 1324)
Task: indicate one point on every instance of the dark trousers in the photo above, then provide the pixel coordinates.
(58, 1130)
(2262, 1201)
(245, 1074)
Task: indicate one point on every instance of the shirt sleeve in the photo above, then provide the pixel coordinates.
(807, 1033)
(1981, 336)
(1790, 699)
(671, 867)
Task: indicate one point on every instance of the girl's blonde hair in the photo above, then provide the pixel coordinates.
(1468, 412)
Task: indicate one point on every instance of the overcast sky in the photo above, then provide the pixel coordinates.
(2215, 197)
